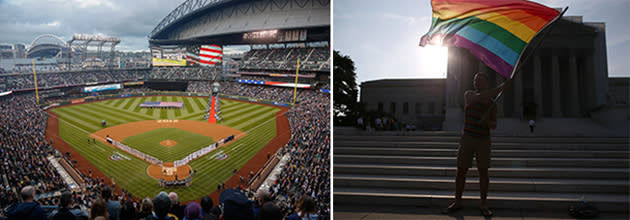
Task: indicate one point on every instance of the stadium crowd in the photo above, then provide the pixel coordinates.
(308, 170)
(279, 79)
(312, 59)
(301, 188)
(23, 150)
(183, 73)
(240, 89)
(233, 204)
(54, 79)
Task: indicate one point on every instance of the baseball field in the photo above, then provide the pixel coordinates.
(168, 135)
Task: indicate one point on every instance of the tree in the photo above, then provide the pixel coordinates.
(345, 106)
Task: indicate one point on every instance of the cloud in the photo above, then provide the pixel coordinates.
(132, 21)
(54, 23)
(400, 18)
(94, 3)
(426, 19)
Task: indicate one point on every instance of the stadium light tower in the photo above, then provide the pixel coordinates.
(85, 39)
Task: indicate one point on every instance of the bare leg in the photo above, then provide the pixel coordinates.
(460, 182)
(483, 189)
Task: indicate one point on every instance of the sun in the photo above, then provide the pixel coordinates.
(433, 61)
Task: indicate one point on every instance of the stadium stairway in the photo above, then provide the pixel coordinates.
(540, 174)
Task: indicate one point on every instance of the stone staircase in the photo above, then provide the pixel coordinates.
(385, 169)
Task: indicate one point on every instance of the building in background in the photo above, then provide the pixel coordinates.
(564, 83)
(410, 101)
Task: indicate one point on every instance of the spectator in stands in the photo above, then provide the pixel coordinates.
(235, 206)
(113, 206)
(305, 209)
(210, 217)
(192, 211)
(207, 209)
(146, 208)
(161, 206)
(27, 209)
(262, 196)
(65, 204)
(270, 211)
(128, 211)
(99, 209)
(176, 208)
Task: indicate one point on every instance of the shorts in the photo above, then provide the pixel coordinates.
(468, 145)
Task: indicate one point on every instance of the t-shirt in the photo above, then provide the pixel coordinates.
(113, 208)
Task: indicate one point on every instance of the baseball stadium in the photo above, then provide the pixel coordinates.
(188, 119)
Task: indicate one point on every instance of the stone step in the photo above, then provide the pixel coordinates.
(386, 211)
(508, 172)
(552, 202)
(532, 139)
(351, 131)
(495, 145)
(496, 161)
(497, 184)
(512, 140)
(496, 152)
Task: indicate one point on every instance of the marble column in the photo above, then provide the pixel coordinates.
(517, 86)
(500, 113)
(572, 84)
(454, 113)
(589, 76)
(538, 92)
(556, 103)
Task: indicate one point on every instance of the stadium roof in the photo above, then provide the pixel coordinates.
(226, 21)
(46, 45)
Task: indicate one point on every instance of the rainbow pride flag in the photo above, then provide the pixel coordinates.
(496, 32)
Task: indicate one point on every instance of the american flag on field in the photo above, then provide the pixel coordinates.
(210, 55)
(163, 104)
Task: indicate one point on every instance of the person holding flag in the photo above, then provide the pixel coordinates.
(498, 33)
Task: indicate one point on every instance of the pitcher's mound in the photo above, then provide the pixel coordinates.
(168, 143)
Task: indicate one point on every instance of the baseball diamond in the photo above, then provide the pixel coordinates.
(150, 131)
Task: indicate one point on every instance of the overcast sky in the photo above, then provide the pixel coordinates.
(21, 21)
(382, 38)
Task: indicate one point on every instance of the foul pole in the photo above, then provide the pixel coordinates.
(35, 79)
(297, 72)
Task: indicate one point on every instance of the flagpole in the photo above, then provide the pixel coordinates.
(297, 71)
(543, 31)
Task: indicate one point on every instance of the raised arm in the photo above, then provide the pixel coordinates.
(490, 93)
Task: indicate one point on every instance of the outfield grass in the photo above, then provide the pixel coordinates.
(149, 143)
(76, 122)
